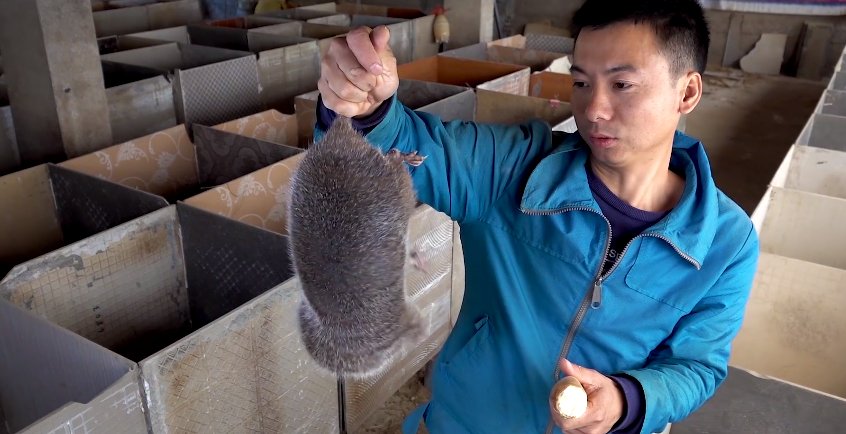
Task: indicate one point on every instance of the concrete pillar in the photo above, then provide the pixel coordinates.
(54, 78)
(470, 22)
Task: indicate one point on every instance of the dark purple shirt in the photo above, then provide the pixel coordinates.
(626, 223)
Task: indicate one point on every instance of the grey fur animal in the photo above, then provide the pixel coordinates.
(348, 220)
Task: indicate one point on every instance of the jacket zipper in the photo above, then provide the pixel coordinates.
(593, 297)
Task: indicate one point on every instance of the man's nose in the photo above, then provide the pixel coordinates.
(598, 106)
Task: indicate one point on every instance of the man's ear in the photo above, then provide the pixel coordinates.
(691, 91)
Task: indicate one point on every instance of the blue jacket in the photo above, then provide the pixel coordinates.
(534, 240)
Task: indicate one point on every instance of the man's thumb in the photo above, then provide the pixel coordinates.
(569, 368)
(380, 37)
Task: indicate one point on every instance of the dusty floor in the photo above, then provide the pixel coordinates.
(747, 123)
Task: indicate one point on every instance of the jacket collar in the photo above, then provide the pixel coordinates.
(559, 183)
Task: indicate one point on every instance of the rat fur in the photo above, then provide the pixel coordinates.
(348, 220)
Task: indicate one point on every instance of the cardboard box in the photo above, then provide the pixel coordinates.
(140, 101)
(792, 322)
(795, 309)
(306, 109)
(324, 7)
(113, 44)
(502, 108)
(813, 170)
(838, 81)
(470, 73)
(288, 66)
(402, 31)
(446, 101)
(824, 131)
(833, 102)
(146, 17)
(248, 371)
(170, 34)
(147, 290)
(173, 13)
(258, 199)
(534, 59)
(551, 85)
(210, 85)
(323, 33)
(799, 224)
(45, 207)
(299, 14)
(231, 33)
(261, 199)
(120, 21)
(247, 22)
(167, 164)
(514, 41)
(423, 39)
(269, 125)
(304, 30)
(55, 381)
(377, 10)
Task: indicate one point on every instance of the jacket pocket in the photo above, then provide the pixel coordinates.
(471, 349)
(659, 273)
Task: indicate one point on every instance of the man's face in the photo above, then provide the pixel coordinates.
(625, 102)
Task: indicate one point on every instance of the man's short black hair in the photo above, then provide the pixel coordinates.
(680, 26)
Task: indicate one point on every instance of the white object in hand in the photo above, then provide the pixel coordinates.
(570, 398)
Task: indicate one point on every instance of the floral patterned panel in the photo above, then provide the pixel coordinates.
(162, 163)
(258, 199)
(270, 125)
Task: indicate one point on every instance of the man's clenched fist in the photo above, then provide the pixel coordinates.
(358, 72)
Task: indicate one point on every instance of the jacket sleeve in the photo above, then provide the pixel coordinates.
(468, 165)
(686, 369)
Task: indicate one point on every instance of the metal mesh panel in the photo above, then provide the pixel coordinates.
(87, 205)
(228, 263)
(555, 44)
(246, 372)
(428, 281)
(117, 409)
(125, 285)
(223, 157)
(219, 92)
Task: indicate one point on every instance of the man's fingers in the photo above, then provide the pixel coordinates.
(335, 103)
(353, 70)
(337, 81)
(364, 51)
(380, 36)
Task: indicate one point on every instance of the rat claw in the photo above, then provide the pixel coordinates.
(418, 261)
(412, 159)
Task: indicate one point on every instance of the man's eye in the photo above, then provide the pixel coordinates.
(622, 85)
(579, 84)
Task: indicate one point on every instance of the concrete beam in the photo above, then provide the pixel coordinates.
(55, 82)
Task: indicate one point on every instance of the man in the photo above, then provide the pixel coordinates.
(608, 254)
